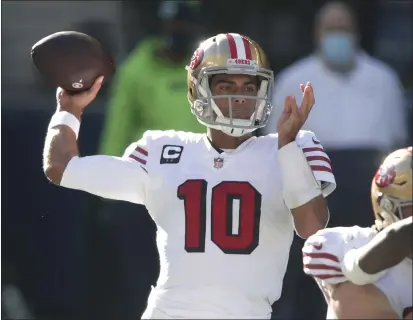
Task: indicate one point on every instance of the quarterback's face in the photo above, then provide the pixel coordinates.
(234, 84)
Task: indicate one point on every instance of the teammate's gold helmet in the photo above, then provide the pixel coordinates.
(391, 189)
(229, 53)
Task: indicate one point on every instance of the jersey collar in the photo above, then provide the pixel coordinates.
(211, 148)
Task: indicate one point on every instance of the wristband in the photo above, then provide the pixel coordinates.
(299, 184)
(353, 272)
(67, 119)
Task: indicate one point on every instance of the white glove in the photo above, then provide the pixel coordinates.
(322, 256)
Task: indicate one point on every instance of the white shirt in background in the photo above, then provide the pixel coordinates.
(363, 109)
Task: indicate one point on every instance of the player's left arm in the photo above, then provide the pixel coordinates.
(307, 180)
(307, 176)
(387, 249)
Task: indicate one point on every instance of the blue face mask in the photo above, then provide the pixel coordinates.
(338, 48)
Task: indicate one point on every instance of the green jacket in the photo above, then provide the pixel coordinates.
(147, 93)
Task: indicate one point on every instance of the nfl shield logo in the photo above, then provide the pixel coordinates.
(218, 163)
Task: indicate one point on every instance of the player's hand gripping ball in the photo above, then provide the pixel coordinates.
(72, 60)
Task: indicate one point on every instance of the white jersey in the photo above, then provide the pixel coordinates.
(396, 282)
(224, 232)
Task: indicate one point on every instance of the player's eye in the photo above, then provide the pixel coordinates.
(224, 87)
(251, 89)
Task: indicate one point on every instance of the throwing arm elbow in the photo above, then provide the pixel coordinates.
(54, 172)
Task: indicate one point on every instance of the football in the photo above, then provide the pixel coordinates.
(72, 60)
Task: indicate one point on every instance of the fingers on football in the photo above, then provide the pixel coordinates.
(59, 92)
(90, 93)
(96, 86)
(94, 89)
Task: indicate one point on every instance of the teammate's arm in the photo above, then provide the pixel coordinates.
(105, 176)
(388, 248)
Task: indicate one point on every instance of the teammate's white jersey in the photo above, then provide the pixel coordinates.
(396, 282)
(224, 232)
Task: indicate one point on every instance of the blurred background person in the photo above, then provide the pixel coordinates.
(149, 90)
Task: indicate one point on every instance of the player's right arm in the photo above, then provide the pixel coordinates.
(387, 249)
(105, 176)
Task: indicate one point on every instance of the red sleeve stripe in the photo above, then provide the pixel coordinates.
(317, 159)
(139, 155)
(142, 151)
(321, 168)
(137, 159)
(321, 255)
(321, 267)
(313, 149)
(320, 158)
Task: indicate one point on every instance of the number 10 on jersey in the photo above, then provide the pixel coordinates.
(194, 195)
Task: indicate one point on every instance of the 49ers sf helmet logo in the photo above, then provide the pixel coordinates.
(385, 175)
(196, 58)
